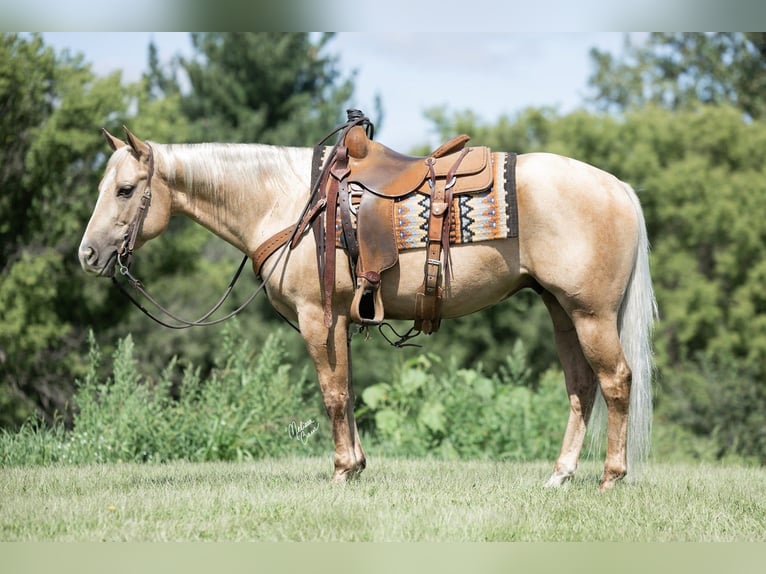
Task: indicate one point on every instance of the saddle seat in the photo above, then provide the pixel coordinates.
(388, 173)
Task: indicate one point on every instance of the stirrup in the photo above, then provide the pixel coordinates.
(367, 304)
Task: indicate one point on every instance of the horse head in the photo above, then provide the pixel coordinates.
(132, 206)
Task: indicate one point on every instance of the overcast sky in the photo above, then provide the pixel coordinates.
(490, 74)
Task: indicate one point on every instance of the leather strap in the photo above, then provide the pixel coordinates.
(339, 172)
(448, 189)
(125, 250)
(429, 297)
(349, 235)
(269, 247)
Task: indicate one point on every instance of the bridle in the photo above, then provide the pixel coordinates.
(134, 228)
(125, 259)
(124, 254)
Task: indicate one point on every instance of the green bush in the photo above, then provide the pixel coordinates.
(253, 400)
(717, 401)
(243, 411)
(429, 408)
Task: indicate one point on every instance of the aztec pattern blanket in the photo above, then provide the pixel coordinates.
(491, 214)
(476, 217)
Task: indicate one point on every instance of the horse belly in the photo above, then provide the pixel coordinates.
(482, 274)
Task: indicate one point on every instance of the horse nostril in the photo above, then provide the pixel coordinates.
(88, 254)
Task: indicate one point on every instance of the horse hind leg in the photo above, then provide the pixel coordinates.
(581, 388)
(600, 342)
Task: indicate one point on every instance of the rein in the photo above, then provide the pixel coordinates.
(287, 239)
(125, 259)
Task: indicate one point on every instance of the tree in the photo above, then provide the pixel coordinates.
(47, 176)
(675, 70)
(26, 98)
(52, 157)
(264, 87)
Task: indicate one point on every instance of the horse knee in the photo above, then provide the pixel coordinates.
(335, 404)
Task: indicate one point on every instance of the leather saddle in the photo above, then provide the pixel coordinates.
(383, 175)
(360, 185)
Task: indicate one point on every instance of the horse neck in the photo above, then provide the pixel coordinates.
(241, 192)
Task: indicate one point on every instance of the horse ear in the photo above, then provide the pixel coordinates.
(114, 143)
(139, 147)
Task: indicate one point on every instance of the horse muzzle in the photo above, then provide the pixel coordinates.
(94, 262)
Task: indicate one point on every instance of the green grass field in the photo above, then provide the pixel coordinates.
(395, 500)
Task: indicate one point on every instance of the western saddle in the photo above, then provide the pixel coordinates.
(354, 206)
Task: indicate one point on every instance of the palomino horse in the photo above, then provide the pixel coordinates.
(582, 244)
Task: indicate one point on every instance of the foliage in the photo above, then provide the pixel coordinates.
(242, 411)
(266, 87)
(35, 344)
(26, 77)
(676, 70)
(48, 155)
(719, 398)
(429, 408)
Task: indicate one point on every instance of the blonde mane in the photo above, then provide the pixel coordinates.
(227, 175)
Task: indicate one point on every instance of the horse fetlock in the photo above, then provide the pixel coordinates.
(348, 471)
(610, 479)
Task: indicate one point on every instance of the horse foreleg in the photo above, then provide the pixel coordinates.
(581, 388)
(329, 349)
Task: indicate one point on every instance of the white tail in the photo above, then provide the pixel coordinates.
(635, 323)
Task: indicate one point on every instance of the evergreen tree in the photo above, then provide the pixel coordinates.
(264, 87)
(50, 107)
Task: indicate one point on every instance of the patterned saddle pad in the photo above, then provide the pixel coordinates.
(484, 216)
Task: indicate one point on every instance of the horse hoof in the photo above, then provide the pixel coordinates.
(609, 482)
(606, 486)
(559, 478)
(348, 474)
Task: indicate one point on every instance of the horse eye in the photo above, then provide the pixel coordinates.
(126, 191)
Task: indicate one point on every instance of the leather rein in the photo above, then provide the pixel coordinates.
(287, 238)
(125, 259)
